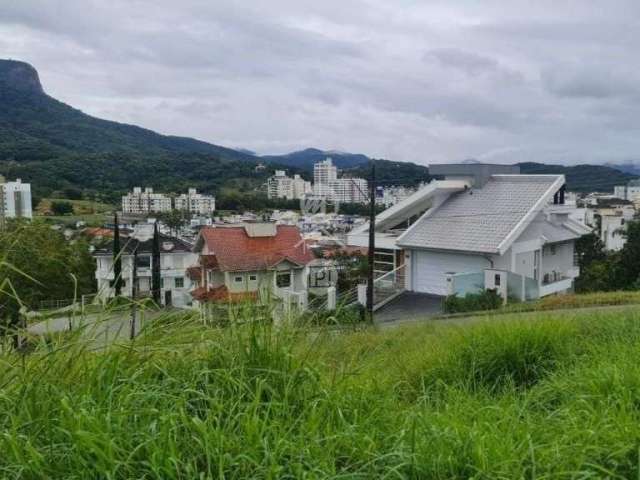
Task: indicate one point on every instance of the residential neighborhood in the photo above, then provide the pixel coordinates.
(319, 240)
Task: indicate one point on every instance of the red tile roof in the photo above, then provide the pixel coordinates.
(194, 273)
(235, 251)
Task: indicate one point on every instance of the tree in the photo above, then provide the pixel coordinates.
(174, 219)
(117, 258)
(38, 264)
(628, 272)
(589, 248)
(155, 265)
(61, 208)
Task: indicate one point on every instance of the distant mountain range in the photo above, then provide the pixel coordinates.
(56, 146)
(306, 158)
(582, 178)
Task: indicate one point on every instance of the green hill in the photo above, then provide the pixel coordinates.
(582, 178)
(55, 146)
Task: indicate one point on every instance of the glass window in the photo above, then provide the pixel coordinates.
(237, 279)
(179, 282)
(253, 278)
(162, 283)
(283, 279)
(496, 280)
(143, 261)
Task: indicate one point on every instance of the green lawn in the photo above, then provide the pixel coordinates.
(543, 395)
(90, 212)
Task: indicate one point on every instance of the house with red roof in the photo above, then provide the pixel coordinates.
(250, 261)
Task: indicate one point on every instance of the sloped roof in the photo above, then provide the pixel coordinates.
(129, 244)
(558, 233)
(482, 220)
(235, 251)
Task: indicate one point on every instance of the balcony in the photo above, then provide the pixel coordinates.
(556, 282)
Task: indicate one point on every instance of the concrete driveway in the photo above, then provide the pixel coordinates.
(409, 305)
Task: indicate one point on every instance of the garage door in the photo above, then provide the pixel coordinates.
(429, 269)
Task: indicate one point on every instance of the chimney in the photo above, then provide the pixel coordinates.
(260, 229)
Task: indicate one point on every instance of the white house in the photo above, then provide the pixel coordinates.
(15, 198)
(175, 257)
(482, 226)
(613, 223)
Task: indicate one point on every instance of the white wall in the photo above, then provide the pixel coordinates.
(557, 257)
(172, 266)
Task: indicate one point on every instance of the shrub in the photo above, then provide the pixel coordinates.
(473, 302)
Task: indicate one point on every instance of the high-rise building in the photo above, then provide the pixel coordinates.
(140, 202)
(323, 173)
(348, 190)
(282, 186)
(15, 199)
(326, 184)
(195, 202)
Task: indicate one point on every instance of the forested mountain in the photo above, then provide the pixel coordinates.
(306, 158)
(582, 178)
(55, 147)
(29, 116)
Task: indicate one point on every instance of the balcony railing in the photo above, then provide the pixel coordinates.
(388, 286)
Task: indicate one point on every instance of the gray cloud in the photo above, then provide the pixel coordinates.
(437, 81)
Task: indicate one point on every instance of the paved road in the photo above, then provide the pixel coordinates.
(102, 328)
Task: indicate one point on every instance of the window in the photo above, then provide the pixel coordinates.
(253, 278)
(143, 261)
(179, 282)
(552, 249)
(237, 279)
(496, 279)
(162, 283)
(283, 279)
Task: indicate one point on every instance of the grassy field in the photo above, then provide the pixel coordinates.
(543, 395)
(90, 212)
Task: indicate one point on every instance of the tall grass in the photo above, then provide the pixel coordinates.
(545, 397)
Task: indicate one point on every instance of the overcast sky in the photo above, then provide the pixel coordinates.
(421, 81)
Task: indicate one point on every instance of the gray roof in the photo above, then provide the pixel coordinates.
(557, 233)
(479, 220)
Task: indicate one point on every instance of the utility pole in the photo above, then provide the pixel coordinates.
(372, 238)
(134, 294)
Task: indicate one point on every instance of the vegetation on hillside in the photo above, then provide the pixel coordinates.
(544, 397)
(582, 178)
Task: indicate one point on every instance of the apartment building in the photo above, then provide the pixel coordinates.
(195, 202)
(282, 186)
(389, 196)
(15, 198)
(326, 184)
(630, 191)
(140, 202)
(349, 190)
